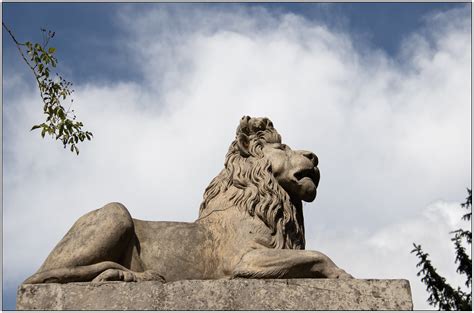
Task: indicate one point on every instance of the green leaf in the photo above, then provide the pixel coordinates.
(60, 113)
(52, 92)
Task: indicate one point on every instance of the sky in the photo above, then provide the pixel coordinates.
(380, 92)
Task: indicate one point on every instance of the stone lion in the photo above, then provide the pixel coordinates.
(250, 225)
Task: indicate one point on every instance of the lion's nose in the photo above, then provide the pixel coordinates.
(311, 156)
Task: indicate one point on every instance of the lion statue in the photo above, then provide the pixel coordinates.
(250, 225)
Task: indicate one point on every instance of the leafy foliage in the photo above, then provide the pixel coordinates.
(441, 293)
(60, 124)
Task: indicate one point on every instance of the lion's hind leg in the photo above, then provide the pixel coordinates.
(73, 274)
(103, 271)
(105, 234)
(99, 240)
(113, 274)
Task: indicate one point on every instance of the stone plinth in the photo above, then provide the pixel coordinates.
(236, 294)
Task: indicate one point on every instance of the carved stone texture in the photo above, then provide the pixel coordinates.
(250, 225)
(236, 294)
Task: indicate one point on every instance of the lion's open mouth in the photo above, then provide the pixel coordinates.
(308, 172)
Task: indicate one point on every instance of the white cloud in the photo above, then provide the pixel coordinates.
(385, 253)
(392, 134)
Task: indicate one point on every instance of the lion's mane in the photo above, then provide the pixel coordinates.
(257, 191)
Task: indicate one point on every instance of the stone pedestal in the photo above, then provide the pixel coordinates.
(236, 294)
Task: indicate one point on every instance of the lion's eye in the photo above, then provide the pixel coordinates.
(281, 147)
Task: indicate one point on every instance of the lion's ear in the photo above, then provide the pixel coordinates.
(243, 143)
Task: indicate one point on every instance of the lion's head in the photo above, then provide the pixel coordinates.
(270, 181)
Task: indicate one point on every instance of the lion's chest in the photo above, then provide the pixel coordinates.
(239, 234)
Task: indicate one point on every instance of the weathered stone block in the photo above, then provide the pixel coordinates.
(236, 294)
